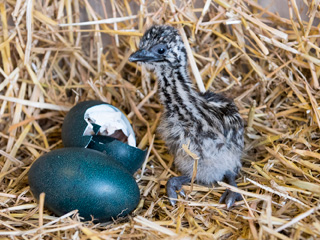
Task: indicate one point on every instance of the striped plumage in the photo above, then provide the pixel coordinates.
(208, 122)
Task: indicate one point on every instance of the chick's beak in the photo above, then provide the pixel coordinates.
(143, 56)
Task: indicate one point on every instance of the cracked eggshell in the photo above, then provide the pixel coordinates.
(110, 122)
(84, 179)
(86, 125)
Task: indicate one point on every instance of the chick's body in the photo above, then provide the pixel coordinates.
(208, 123)
(214, 135)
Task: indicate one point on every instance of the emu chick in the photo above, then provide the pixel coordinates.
(208, 122)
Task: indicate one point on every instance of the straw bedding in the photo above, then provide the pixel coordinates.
(269, 65)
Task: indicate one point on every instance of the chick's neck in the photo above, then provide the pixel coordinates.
(175, 90)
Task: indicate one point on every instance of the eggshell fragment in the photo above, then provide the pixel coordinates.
(130, 157)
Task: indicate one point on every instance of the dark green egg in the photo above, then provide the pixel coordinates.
(84, 179)
(73, 129)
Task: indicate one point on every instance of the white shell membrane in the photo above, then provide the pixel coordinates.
(110, 119)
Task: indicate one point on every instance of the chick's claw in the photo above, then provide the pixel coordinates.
(174, 186)
(229, 198)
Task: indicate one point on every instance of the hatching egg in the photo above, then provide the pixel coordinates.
(102, 127)
(84, 179)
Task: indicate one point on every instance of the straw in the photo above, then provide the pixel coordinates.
(55, 54)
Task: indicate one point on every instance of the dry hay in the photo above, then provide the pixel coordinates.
(268, 64)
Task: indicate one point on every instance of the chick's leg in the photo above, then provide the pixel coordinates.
(174, 186)
(229, 197)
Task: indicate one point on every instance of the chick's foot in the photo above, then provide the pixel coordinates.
(174, 186)
(229, 198)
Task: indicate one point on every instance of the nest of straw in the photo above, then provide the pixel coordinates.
(269, 65)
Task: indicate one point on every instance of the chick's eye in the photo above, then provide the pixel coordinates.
(161, 50)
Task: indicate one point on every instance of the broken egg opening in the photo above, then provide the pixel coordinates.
(111, 122)
(102, 127)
